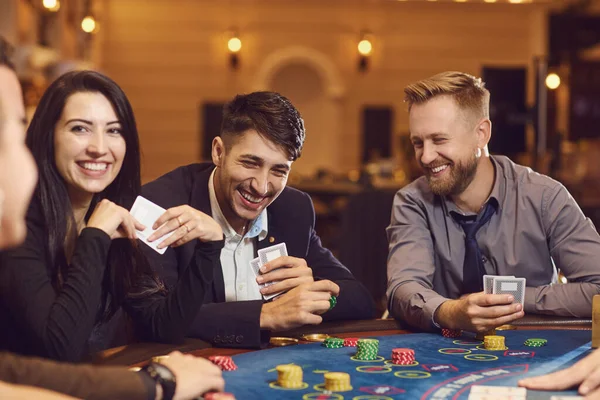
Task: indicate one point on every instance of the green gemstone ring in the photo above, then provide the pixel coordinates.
(332, 301)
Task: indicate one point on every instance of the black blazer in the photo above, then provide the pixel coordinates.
(291, 220)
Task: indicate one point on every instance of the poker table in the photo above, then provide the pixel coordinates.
(444, 368)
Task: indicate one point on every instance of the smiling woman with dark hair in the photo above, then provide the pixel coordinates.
(62, 291)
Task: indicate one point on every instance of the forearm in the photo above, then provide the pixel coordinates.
(81, 381)
(570, 299)
(414, 304)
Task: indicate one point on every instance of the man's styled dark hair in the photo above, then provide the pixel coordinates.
(268, 113)
(5, 53)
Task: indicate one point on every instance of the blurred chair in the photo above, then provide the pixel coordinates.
(363, 246)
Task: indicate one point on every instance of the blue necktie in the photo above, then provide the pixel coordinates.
(473, 269)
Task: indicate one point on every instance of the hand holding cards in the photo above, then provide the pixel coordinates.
(264, 256)
(494, 284)
(147, 213)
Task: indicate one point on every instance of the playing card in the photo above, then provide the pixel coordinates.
(509, 285)
(272, 252)
(488, 281)
(147, 213)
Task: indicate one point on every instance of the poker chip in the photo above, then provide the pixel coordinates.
(289, 376)
(403, 356)
(451, 333)
(350, 342)
(367, 349)
(333, 343)
(337, 381)
(494, 342)
(218, 396)
(224, 362)
(535, 342)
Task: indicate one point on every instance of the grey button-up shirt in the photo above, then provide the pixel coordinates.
(537, 228)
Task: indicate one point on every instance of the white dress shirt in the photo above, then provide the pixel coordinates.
(239, 279)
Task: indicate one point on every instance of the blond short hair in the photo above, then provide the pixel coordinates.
(468, 92)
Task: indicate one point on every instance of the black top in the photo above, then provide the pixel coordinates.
(291, 219)
(35, 319)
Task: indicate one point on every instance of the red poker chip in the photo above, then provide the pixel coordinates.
(225, 362)
(402, 351)
(218, 396)
(350, 342)
(451, 333)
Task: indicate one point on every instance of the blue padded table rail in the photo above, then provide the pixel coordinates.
(445, 368)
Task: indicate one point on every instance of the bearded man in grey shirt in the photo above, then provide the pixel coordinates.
(528, 225)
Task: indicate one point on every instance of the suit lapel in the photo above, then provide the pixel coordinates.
(200, 200)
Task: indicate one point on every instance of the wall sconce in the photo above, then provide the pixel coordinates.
(552, 81)
(89, 24)
(234, 45)
(365, 48)
(51, 5)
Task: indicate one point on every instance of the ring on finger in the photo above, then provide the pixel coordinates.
(187, 229)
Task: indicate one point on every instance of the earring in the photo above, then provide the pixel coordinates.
(478, 154)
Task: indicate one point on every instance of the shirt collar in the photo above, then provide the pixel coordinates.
(258, 227)
(494, 198)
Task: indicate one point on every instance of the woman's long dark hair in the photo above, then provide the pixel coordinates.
(128, 272)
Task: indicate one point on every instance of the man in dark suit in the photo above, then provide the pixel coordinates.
(245, 191)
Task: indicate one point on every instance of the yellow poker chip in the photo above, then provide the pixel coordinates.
(283, 341)
(315, 337)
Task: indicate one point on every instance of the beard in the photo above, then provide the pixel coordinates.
(460, 176)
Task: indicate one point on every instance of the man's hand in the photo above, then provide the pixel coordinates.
(289, 271)
(300, 306)
(585, 373)
(188, 224)
(195, 376)
(478, 312)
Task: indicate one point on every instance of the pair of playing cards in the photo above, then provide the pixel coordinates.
(494, 284)
(264, 256)
(147, 213)
(479, 392)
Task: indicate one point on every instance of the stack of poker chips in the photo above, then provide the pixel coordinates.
(535, 342)
(333, 343)
(367, 349)
(482, 335)
(451, 333)
(289, 376)
(403, 356)
(493, 342)
(337, 382)
(350, 342)
(225, 362)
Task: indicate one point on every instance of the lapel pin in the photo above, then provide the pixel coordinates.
(271, 239)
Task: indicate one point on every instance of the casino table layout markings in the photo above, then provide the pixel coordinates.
(445, 369)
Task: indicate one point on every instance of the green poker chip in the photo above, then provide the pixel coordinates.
(333, 343)
(535, 342)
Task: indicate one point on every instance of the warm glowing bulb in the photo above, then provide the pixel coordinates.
(234, 44)
(460, 1)
(552, 81)
(365, 47)
(490, 1)
(515, 1)
(51, 5)
(88, 24)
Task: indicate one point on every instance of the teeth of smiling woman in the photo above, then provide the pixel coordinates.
(438, 169)
(95, 166)
(251, 199)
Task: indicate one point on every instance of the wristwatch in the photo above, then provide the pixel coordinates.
(164, 377)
